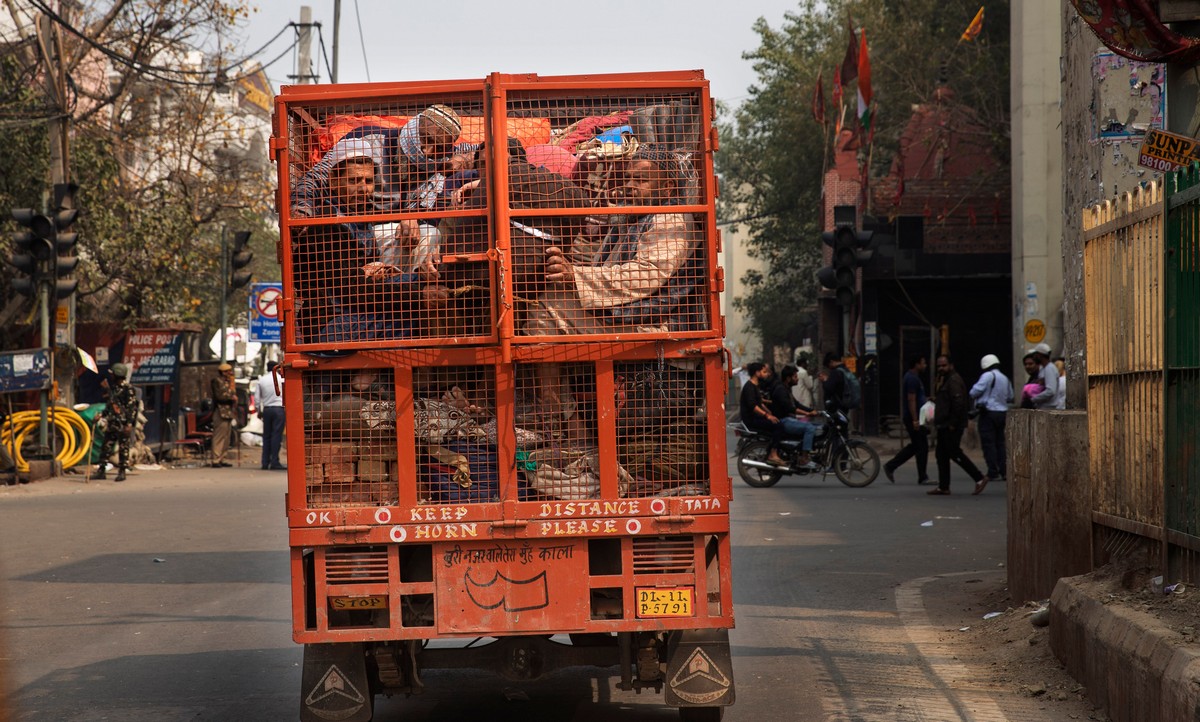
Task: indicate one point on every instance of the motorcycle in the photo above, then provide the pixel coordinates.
(852, 460)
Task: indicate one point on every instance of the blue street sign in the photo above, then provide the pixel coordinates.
(265, 326)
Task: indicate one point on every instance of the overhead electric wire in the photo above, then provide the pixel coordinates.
(362, 43)
(324, 53)
(155, 71)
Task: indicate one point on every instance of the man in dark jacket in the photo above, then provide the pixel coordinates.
(833, 383)
(951, 404)
(756, 410)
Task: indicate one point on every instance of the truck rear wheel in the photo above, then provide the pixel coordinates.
(701, 714)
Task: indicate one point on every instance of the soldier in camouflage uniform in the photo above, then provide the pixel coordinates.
(119, 417)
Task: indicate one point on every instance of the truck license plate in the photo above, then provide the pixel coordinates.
(371, 602)
(660, 602)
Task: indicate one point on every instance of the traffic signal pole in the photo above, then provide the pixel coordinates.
(224, 290)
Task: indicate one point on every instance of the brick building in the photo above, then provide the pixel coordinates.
(941, 268)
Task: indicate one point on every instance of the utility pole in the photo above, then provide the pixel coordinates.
(59, 128)
(224, 290)
(337, 26)
(304, 74)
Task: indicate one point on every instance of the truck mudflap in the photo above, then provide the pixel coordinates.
(699, 669)
(334, 684)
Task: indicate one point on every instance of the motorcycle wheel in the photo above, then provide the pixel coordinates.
(759, 478)
(856, 464)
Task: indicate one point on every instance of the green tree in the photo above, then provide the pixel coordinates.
(154, 150)
(773, 153)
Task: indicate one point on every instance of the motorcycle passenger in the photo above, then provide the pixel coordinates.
(792, 417)
(756, 414)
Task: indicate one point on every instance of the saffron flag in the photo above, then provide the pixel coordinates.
(974, 28)
(818, 101)
(850, 62)
(864, 83)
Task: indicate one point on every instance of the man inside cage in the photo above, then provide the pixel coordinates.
(415, 162)
(648, 272)
(346, 292)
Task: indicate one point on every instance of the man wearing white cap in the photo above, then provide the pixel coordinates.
(1049, 398)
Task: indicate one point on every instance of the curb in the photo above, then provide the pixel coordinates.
(1132, 669)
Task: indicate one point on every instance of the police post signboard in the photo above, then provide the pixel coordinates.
(1165, 152)
(265, 326)
(152, 355)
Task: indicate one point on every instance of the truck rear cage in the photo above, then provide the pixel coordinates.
(361, 422)
(619, 181)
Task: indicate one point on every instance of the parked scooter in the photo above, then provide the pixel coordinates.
(853, 461)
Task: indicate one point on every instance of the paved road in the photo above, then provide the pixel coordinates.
(165, 598)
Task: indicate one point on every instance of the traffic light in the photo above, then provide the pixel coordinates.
(33, 251)
(65, 259)
(840, 276)
(239, 257)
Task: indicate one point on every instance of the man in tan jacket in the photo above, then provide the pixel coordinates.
(224, 409)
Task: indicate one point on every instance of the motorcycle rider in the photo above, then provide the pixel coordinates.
(792, 417)
(756, 413)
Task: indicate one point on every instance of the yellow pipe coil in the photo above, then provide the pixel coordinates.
(76, 436)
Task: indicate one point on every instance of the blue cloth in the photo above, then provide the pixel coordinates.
(912, 385)
(801, 430)
(993, 390)
(273, 418)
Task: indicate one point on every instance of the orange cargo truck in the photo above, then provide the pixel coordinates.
(504, 377)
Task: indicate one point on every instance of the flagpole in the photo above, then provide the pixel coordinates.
(825, 150)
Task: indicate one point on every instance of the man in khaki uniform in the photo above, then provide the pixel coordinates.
(224, 398)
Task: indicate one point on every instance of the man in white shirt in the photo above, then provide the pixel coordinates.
(270, 409)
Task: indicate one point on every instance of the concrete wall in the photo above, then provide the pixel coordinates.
(1037, 174)
(1049, 500)
(742, 339)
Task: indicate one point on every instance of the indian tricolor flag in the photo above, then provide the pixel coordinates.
(864, 82)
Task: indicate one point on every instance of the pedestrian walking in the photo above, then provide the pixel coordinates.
(224, 410)
(270, 410)
(918, 440)
(951, 405)
(992, 394)
(118, 417)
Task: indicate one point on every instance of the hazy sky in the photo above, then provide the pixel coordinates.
(435, 39)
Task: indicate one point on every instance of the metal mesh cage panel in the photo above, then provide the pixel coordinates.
(634, 259)
(455, 432)
(661, 425)
(406, 258)
(350, 438)
(388, 232)
(558, 455)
